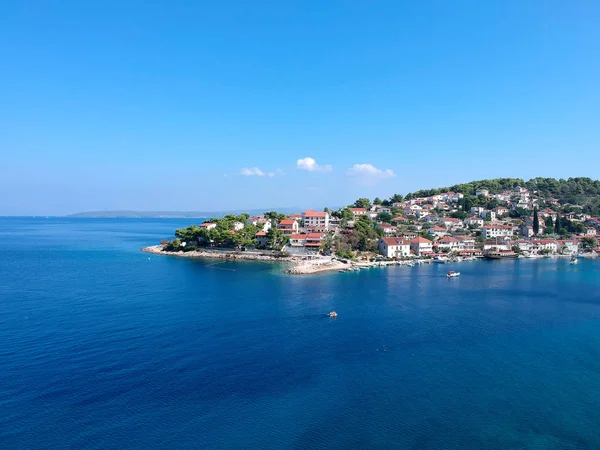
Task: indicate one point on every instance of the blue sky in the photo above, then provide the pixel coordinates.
(216, 105)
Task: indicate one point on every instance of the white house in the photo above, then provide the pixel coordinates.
(437, 231)
(483, 192)
(358, 212)
(288, 226)
(545, 244)
(394, 247)
(298, 240)
(208, 225)
(477, 210)
(387, 229)
(421, 246)
(448, 243)
(494, 231)
(237, 226)
(316, 219)
(474, 221)
(452, 222)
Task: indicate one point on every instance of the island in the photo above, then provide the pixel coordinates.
(504, 217)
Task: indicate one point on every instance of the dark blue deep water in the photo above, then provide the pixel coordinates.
(102, 347)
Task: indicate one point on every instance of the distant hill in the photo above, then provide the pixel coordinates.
(172, 214)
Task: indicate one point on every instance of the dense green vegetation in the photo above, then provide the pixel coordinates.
(362, 237)
(223, 235)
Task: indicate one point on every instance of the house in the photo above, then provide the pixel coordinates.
(500, 211)
(387, 229)
(261, 222)
(452, 222)
(288, 227)
(526, 231)
(589, 231)
(400, 220)
(261, 238)
(483, 192)
(208, 225)
(298, 240)
(547, 212)
(391, 247)
(494, 231)
(523, 245)
(382, 209)
(474, 221)
(421, 246)
(448, 243)
(372, 215)
(410, 235)
(437, 231)
(314, 240)
(545, 244)
(465, 242)
(237, 226)
(358, 212)
(315, 220)
(477, 210)
(568, 246)
(494, 245)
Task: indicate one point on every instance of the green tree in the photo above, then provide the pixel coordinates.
(536, 222)
(462, 215)
(363, 203)
(589, 242)
(396, 198)
(549, 223)
(557, 225)
(385, 217)
(377, 201)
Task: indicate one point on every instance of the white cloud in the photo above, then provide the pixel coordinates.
(311, 165)
(369, 171)
(256, 172)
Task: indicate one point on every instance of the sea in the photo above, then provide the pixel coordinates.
(105, 347)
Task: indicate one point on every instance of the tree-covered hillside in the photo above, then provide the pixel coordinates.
(572, 191)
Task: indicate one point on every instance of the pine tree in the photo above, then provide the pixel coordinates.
(536, 222)
(557, 224)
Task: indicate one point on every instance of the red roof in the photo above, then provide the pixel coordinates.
(398, 219)
(260, 233)
(287, 222)
(314, 214)
(314, 236)
(475, 218)
(438, 229)
(448, 239)
(502, 227)
(420, 240)
(358, 210)
(207, 224)
(298, 236)
(450, 219)
(395, 241)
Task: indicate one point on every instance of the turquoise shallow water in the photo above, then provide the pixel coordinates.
(101, 347)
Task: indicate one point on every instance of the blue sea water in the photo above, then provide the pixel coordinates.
(104, 347)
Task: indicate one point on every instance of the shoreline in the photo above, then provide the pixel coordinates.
(299, 265)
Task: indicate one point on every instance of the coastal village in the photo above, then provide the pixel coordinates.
(445, 226)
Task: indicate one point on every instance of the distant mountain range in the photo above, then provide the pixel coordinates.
(174, 214)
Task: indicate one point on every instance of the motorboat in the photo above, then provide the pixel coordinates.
(574, 260)
(332, 314)
(440, 259)
(453, 274)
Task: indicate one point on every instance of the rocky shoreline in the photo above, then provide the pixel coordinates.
(300, 265)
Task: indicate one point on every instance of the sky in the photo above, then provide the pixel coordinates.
(208, 106)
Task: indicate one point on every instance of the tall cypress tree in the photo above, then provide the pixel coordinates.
(536, 221)
(549, 223)
(557, 224)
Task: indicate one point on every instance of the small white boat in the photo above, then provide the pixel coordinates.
(574, 260)
(332, 314)
(440, 260)
(453, 274)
